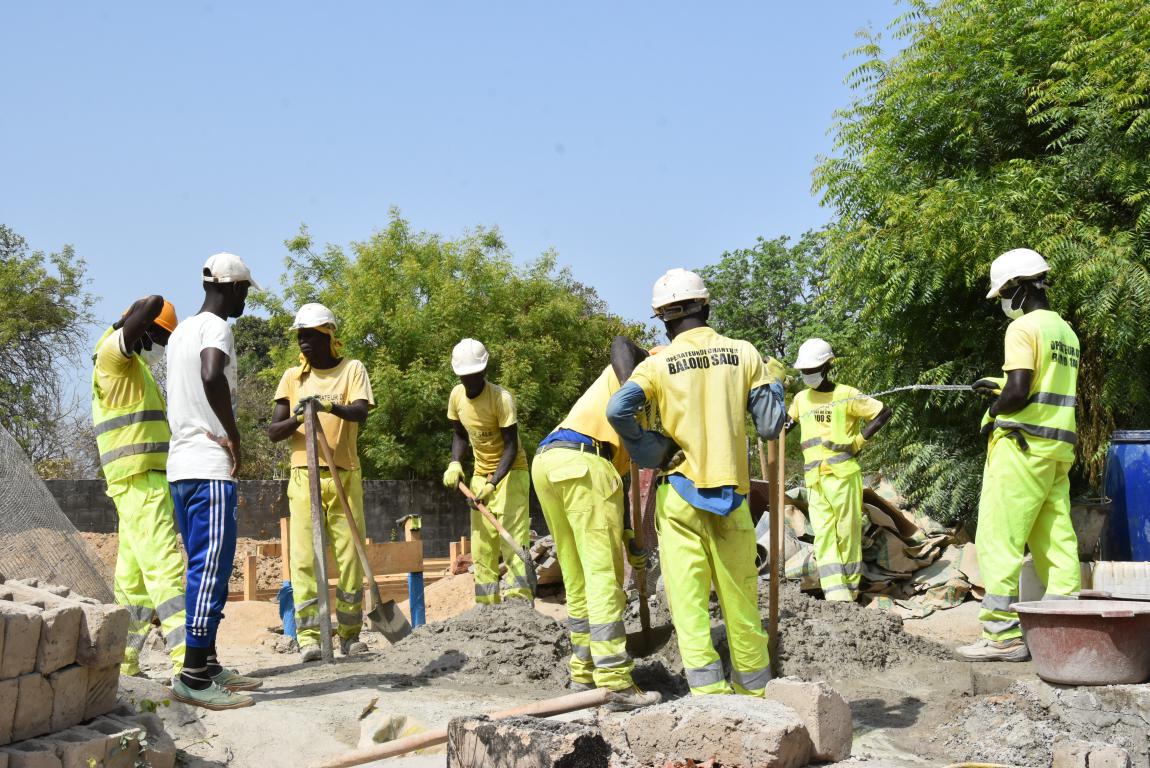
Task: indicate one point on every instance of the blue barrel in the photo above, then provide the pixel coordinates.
(1128, 485)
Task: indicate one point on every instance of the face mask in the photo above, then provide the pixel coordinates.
(153, 356)
(813, 380)
(1008, 307)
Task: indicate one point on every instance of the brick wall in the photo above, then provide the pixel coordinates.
(263, 502)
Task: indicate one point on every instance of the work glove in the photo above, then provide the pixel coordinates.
(988, 386)
(776, 371)
(322, 405)
(635, 556)
(673, 455)
(453, 476)
(485, 493)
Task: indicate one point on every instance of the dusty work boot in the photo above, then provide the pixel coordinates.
(212, 697)
(575, 685)
(350, 646)
(992, 650)
(234, 681)
(631, 698)
(310, 653)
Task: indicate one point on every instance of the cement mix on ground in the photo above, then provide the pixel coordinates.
(509, 643)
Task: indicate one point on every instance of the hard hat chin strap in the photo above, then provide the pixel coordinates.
(677, 311)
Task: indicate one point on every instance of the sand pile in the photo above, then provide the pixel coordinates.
(508, 643)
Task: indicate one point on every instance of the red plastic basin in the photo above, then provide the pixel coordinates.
(1088, 642)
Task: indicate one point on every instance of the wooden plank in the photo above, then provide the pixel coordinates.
(390, 587)
(268, 550)
(392, 557)
(251, 582)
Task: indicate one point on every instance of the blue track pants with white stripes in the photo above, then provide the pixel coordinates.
(206, 516)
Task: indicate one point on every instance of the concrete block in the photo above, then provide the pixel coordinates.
(22, 625)
(8, 694)
(34, 753)
(58, 637)
(1089, 754)
(80, 747)
(33, 707)
(103, 628)
(69, 696)
(524, 742)
(121, 743)
(731, 730)
(103, 686)
(824, 712)
(159, 751)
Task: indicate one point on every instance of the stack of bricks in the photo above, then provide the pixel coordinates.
(60, 660)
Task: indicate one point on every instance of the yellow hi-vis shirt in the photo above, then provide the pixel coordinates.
(1042, 342)
(589, 417)
(818, 418)
(700, 384)
(483, 417)
(341, 385)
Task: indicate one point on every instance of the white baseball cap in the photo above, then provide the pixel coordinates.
(228, 268)
(313, 316)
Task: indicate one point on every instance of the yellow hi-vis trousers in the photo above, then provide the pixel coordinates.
(582, 499)
(698, 548)
(1025, 501)
(149, 578)
(349, 589)
(835, 507)
(509, 505)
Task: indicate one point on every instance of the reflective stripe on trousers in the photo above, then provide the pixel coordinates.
(509, 505)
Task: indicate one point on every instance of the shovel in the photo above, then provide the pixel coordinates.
(524, 555)
(384, 617)
(650, 639)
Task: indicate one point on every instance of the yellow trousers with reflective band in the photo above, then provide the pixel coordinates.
(349, 589)
(149, 577)
(835, 507)
(509, 505)
(1025, 502)
(582, 499)
(698, 549)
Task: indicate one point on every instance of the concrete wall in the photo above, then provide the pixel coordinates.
(263, 502)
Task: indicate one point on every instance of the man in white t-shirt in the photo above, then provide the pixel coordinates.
(203, 462)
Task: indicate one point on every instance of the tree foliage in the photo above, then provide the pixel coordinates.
(405, 298)
(46, 313)
(1000, 125)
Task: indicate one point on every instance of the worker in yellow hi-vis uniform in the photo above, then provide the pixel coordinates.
(128, 412)
(1025, 484)
(482, 414)
(342, 391)
(578, 475)
(703, 385)
(828, 416)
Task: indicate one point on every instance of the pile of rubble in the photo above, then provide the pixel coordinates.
(60, 660)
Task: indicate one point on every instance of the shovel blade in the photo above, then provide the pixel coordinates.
(641, 644)
(388, 620)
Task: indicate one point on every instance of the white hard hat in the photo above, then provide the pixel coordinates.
(678, 285)
(812, 354)
(469, 356)
(1012, 265)
(228, 268)
(313, 316)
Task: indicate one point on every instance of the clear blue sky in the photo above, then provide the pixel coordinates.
(629, 137)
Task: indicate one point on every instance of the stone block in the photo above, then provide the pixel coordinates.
(103, 686)
(22, 624)
(80, 747)
(9, 692)
(69, 696)
(3, 754)
(1089, 754)
(159, 751)
(33, 707)
(58, 637)
(731, 730)
(524, 742)
(103, 628)
(34, 753)
(824, 712)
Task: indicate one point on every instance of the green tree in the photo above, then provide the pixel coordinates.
(42, 331)
(257, 338)
(768, 294)
(1000, 124)
(405, 298)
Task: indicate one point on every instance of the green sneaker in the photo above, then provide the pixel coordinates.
(213, 697)
(234, 681)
